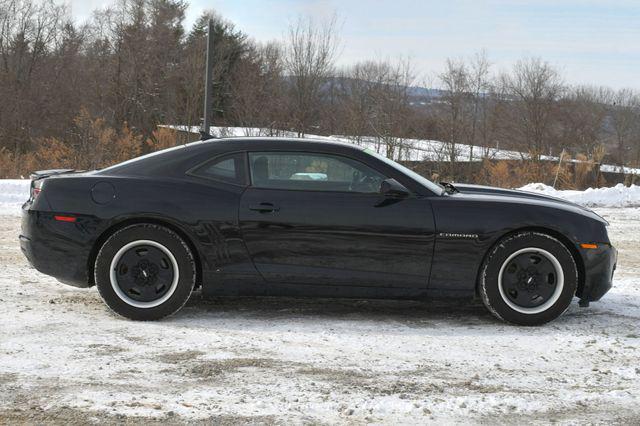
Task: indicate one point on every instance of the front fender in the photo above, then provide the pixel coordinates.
(468, 226)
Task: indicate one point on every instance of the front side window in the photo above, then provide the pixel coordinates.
(436, 189)
(229, 168)
(312, 172)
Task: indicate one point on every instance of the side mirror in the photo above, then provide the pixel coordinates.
(391, 188)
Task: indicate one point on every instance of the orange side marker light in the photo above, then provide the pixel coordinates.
(588, 246)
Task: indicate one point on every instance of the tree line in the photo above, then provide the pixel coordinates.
(85, 95)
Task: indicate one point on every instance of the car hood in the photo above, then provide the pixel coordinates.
(515, 195)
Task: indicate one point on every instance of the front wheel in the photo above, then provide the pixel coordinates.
(528, 278)
(145, 272)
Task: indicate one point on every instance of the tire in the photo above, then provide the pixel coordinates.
(145, 272)
(528, 278)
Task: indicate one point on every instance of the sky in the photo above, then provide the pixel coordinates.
(594, 42)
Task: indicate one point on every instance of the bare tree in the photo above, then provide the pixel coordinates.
(582, 116)
(479, 85)
(357, 84)
(375, 104)
(258, 92)
(28, 32)
(532, 90)
(391, 113)
(625, 120)
(311, 50)
(455, 81)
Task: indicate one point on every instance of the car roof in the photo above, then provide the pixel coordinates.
(175, 162)
(262, 142)
(182, 157)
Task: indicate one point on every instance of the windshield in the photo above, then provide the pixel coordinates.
(404, 170)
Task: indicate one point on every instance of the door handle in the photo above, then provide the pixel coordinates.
(264, 208)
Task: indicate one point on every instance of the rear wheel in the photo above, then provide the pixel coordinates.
(145, 272)
(528, 278)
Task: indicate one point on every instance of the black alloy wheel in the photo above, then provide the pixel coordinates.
(145, 272)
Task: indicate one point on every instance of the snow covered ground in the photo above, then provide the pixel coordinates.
(65, 358)
(13, 193)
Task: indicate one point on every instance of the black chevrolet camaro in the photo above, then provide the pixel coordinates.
(291, 217)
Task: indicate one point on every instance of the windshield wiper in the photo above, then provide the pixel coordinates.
(449, 188)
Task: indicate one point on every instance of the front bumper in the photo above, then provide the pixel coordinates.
(55, 248)
(599, 265)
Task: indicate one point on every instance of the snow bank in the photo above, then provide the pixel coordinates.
(617, 196)
(13, 193)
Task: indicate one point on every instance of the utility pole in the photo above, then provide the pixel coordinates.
(208, 86)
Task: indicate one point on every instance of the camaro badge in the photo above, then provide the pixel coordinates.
(455, 235)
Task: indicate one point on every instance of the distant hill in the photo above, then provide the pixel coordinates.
(425, 92)
(417, 95)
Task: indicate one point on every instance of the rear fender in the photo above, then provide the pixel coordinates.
(121, 222)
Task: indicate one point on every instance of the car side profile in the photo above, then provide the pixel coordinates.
(291, 217)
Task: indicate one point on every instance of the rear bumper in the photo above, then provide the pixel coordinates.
(599, 265)
(55, 248)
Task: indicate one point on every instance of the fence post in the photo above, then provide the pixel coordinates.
(558, 169)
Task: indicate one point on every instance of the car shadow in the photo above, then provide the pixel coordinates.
(403, 311)
(442, 315)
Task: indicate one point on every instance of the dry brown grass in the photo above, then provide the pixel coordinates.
(579, 174)
(91, 144)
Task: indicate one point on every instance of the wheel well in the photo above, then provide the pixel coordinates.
(555, 234)
(116, 227)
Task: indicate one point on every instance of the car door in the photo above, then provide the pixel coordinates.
(314, 218)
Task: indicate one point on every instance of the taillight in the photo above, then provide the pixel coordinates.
(36, 189)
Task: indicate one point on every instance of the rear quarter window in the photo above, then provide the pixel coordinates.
(227, 168)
